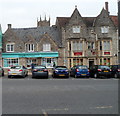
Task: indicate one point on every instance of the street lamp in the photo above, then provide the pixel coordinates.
(96, 45)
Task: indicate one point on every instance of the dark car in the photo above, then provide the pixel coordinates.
(40, 72)
(60, 71)
(1, 71)
(79, 71)
(97, 71)
(115, 69)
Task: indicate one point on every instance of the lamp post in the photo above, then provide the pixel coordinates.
(96, 45)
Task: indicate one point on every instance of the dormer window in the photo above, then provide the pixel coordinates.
(76, 29)
(104, 29)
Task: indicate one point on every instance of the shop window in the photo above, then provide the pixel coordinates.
(49, 62)
(11, 62)
(10, 48)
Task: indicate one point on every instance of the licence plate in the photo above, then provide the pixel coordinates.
(13, 73)
(105, 71)
(61, 75)
(83, 74)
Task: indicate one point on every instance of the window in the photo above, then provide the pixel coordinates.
(11, 62)
(46, 47)
(30, 47)
(106, 45)
(10, 47)
(49, 62)
(76, 29)
(104, 29)
(77, 45)
(91, 45)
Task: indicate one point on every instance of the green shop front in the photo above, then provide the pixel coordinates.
(47, 59)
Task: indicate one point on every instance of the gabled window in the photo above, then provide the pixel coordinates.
(10, 47)
(46, 47)
(104, 29)
(30, 47)
(76, 29)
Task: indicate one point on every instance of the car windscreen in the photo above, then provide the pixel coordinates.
(61, 67)
(16, 67)
(82, 67)
(104, 67)
(39, 67)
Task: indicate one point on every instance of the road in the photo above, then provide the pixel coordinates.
(59, 96)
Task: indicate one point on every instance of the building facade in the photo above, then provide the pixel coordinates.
(0, 46)
(72, 40)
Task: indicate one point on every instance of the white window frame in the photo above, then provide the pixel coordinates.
(76, 29)
(46, 47)
(104, 29)
(29, 47)
(11, 49)
(106, 45)
(77, 46)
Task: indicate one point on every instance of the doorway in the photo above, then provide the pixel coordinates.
(91, 63)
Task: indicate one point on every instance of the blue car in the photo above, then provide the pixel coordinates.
(60, 71)
(79, 71)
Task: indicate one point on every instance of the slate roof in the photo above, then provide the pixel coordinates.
(37, 33)
(62, 21)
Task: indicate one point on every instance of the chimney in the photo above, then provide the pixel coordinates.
(106, 7)
(9, 26)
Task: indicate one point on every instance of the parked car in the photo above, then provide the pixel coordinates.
(60, 71)
(97, 71)
(1, 71)
(40, 72)
(115, 69)
(79, 71)
(17, 71)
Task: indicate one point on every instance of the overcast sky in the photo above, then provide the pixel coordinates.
(24, 13)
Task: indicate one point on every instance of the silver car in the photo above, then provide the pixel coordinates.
(17, 71)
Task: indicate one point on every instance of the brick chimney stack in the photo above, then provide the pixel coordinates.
(106, 7)
(9, 26)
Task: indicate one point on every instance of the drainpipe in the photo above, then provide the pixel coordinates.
(118, 31)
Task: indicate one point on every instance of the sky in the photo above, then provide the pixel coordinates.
(24, 13)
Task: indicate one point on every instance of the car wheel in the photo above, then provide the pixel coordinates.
(115, 75)
(9, 76)
(95, 75)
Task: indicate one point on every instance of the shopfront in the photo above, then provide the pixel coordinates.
(47, 59)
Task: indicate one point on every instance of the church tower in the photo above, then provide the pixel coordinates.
(43, 23)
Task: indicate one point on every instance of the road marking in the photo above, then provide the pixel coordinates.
(55, 109)
(101, 107)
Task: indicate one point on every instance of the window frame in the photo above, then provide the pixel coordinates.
(46, 47)
(11, 49)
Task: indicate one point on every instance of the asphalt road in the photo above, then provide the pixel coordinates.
(59, 96)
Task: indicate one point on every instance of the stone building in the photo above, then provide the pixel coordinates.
(72, 40)
(0, 46)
